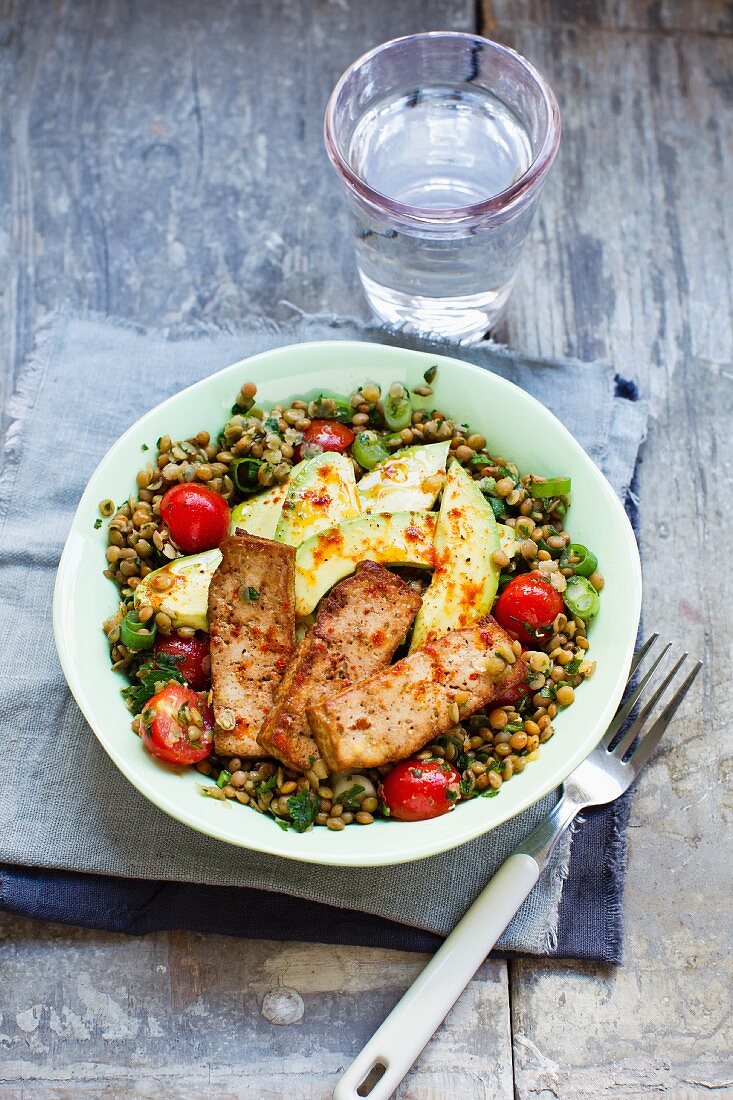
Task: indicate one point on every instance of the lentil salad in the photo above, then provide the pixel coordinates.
(258, 450)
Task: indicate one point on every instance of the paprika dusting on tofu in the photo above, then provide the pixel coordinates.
(340, 609)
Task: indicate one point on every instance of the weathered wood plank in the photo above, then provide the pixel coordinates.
(181, 1014)
(632, 259)
(165, 163)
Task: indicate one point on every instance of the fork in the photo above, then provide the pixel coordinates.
(606, 773)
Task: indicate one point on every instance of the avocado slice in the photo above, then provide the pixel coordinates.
(186, 599)
(465, 578)
(405, 538)
(508, 540)
(260, 514)
(408, 481)
(322, 494)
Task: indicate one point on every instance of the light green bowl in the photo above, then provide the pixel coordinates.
(517, 427)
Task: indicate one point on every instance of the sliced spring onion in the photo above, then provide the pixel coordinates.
(397, 408)
(243, 472)
(327, 407)
(587, 562)
(135, 634)
(581, 599)
(224, 777)
(368, 450)
(550, 487)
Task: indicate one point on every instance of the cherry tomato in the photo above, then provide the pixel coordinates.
(418, 789)
(527, 608)
(328, 435)
(197, 518)
(177, 725)
(191, 656)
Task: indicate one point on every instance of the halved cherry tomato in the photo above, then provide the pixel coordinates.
(177, 725)
(197, 518)
(527, 608)
(324, 435)
(191, 655)
(416, 790)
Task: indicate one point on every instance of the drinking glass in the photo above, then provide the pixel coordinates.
(442, 142)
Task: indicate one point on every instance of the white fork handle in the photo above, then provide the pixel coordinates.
(398, 1042)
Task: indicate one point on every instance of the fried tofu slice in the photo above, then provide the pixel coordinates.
(359, 626)
(393, 714)
(252, 631)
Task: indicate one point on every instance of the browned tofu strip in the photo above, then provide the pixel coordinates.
(359, 626)
(393, 714)
(252, 631)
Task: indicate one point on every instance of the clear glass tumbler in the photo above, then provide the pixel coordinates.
(442, 142)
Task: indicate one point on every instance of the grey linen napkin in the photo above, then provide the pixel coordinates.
(64, 805)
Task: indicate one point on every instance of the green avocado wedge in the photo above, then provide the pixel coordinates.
(465, 579)
(405, 538)
(408, 481)
(260, 515)
(185, 600)
(322, 494)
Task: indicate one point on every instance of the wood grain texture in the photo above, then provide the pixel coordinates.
(632, 260)
(183, 1015)
(164, 162)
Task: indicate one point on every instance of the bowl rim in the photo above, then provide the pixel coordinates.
(423, 846)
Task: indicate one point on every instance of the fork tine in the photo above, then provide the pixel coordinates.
(649, 743)
(623, 712)
(641, 653)
(636, 727)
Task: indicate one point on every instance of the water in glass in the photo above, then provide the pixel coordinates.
(440, 148)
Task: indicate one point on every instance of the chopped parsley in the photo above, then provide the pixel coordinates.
(450, 795)
(97, 524)
(144, 447)
(350, 798)
(573, 667)
(489, 793)
(152, 674)
(249, 594)
(430, 374)
(282, 824)
(303, 809)
(267, 785)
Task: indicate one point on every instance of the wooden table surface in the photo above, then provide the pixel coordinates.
(163, 162)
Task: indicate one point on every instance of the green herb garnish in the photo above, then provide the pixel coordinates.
(152, 674)
(303, 809)
(350, 798)
(97, 524)
(267, 785)
(224, 777)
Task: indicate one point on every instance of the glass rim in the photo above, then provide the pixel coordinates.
(496, 204)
